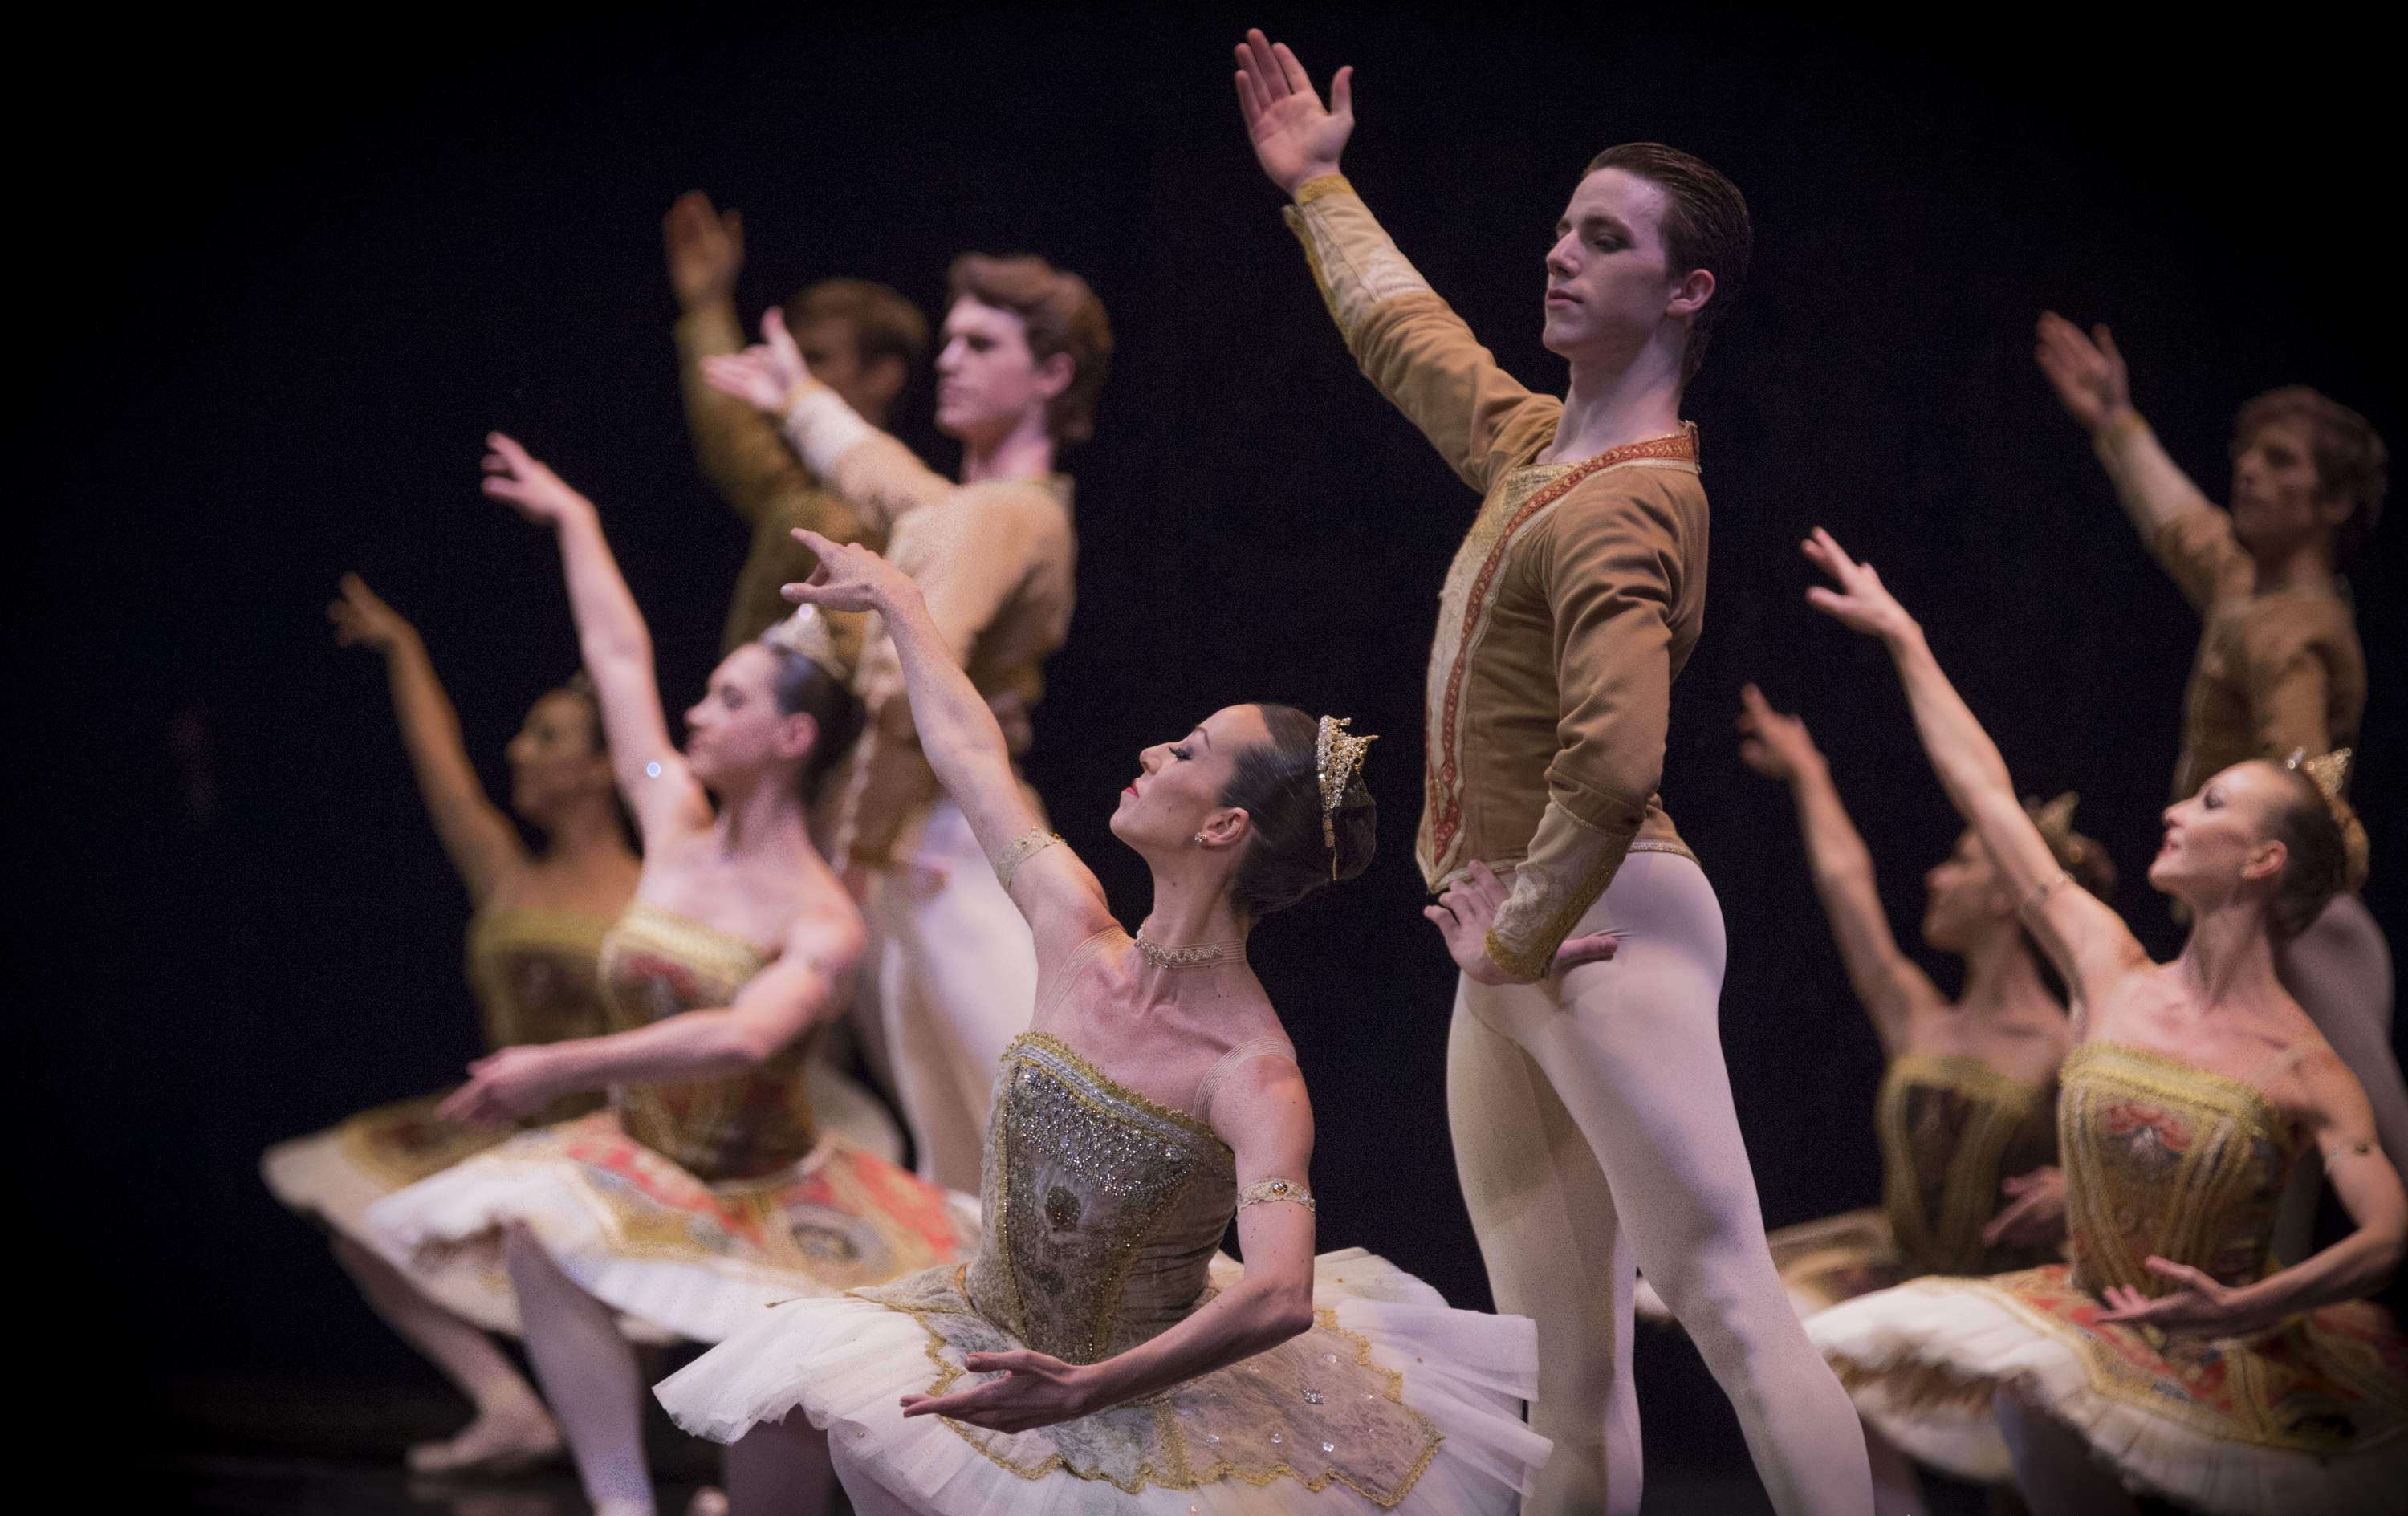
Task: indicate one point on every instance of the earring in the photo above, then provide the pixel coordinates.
(1200, 839)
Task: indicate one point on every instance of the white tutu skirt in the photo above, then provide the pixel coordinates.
(1392, 1398)
(673, 1254)
(2309, 1419)
(337, 1174)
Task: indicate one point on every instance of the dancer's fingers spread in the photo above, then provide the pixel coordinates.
(1342, 91)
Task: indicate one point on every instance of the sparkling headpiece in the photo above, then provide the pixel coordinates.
(2329, 773)
(805, 632)
(1337, 753)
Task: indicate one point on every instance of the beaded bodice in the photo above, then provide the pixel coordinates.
(1951, 1129)
(533, 974)
(2163, 1157)
(656, 965)
(1103, 1208)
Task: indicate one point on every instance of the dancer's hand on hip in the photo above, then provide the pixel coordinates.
(1296, 137)
(504, 1086)
(849, 577)
(1036, 1390)
(1468, 908)
(764, 375)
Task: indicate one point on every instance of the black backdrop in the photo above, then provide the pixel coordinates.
(281, 283)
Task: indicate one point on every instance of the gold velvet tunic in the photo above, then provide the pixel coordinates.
(1571, 606)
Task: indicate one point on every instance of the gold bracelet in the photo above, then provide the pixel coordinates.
(1007, 862)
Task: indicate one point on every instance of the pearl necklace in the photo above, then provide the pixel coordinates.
(1201, 955)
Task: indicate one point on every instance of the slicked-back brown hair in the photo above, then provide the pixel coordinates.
(1706, 226)
(1061, 314)
(2351, 462)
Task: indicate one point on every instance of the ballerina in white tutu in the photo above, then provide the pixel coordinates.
(1097, 1355)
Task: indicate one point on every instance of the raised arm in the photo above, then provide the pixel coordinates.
(1405, 339)
(2333, 1109)
(2182, 529)
(2087, 941)
(480, 840)
(1263, 1114)
(795, 992)
(1887, 983)
(964, 745)
(738, 448)
(611, 634)
(878, 476)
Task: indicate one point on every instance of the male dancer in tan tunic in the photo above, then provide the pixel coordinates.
(1023, 356)
(1591, 1112)
(861, 339)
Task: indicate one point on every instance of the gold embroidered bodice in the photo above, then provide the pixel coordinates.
(1103, 1208)
(2162, 1157)
(533, 974)
(1952, 1128)
(655, 964)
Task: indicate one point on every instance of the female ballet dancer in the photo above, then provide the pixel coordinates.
(2171, 1357)
(2279, 666)
(538, 923)
(1587, 1100)
(705, 1190)
(1024, 351)
(1095, 1354)
(1967, 1109)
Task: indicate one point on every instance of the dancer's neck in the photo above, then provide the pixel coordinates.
(1024, 452)
(1189, 914)
(2305, 565)
(762, 815)
(2002, 982)
(1611, 402)
(2230, 956)
(587, 836)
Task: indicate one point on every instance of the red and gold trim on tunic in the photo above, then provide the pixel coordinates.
(1443, 781)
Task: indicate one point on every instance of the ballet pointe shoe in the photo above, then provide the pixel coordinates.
(497, 1444)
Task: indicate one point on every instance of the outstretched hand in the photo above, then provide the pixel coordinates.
(362, 620)
(2087, 372)
(1036, 1389)
(1296, 137)
(1776, 746)
(2199, 1303)
(2034, 1214)
(1860, 602)
(705, 248)
(504, 1086)
(1468, 908)
(765, 374)
(849, 577)
(518, 477)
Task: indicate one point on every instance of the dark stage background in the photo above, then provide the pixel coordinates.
(283, 285)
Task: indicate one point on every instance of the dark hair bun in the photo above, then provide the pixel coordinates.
(1278, 786)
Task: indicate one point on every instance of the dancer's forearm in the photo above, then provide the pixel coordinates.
(477, 838)
(1248, 1318)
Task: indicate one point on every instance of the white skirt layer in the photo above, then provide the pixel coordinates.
(845, 1361)
(1937, 1341)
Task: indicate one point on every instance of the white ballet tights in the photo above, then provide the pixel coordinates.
(467, 1357)
(588, 1372)
(957, 975)
(2340, 969)
(1593, 1121)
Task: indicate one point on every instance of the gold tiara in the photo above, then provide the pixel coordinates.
(805, 632)
(1336, 754)
(2329, 773)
